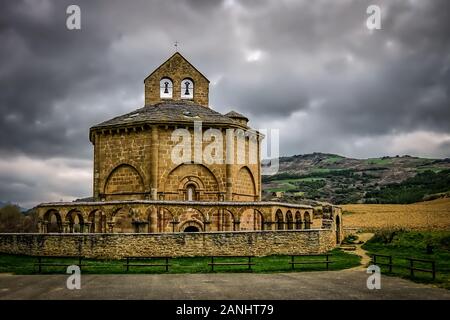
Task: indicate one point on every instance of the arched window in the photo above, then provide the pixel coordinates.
(190, 193)
(289, 220)
(165, 88)
(307, 220)
(187, 89)
(279, 220)
(298, 220)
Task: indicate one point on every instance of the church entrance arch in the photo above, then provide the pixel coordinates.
(191, 226)
(191, 229)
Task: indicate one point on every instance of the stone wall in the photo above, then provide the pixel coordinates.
(124, 162)
(112, 246)
(176, 68)
(349, 232)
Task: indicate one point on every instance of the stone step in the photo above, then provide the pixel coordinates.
(348, 248)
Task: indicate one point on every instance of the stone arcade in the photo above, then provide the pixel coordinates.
(138, 188)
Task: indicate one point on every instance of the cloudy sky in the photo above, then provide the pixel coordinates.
(310, 68)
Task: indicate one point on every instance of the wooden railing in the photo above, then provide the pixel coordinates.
(42, 261)
(139, 262)
(326, 255)
(410, 267)
(247, 263)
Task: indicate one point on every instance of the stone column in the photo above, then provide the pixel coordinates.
(175, 221)
(154, 163)
(237, 225)
(267, 225)
(229, 165)
(96, 143)
(65, 227)
(87, 227)
(259, 184)
(153, 220)
(46, 226)
(111, 227)
(207, 226)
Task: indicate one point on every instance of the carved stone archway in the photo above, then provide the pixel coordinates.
(189, 226)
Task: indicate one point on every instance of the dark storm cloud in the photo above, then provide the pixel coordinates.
(310, 68)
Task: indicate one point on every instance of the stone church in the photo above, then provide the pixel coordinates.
(141, 186)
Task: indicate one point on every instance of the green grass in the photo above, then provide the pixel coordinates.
(326, 170)
(25, 265)
(290, 184)
(311, 179)
(412, 189)
(434, 169)
(379, 161)
(409, 244)
(333, 159)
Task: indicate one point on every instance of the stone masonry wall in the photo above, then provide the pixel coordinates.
(176, 69)
(124, 164)
(113, 246)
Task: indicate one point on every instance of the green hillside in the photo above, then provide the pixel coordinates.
(336, 179)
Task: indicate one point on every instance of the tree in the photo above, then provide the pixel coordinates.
(12, 220)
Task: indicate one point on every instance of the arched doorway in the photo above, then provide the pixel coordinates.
(279, 220)
(191, 229)
(191, 226)
(251, 219)
(75, 221)
(97, 219)
(222, 220)
(298, 220)
(123, 221)
(307, 220)
(191, 192)
(289, 220)
(53, 222)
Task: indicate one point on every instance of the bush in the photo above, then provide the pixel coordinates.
(413, 189)
(385, 236)
(350, 239)
(12, 220)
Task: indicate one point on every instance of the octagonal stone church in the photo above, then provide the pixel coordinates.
(149, 177)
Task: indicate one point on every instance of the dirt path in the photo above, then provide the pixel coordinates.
(365, 258)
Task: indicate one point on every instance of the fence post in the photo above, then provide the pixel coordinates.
(249, 261)
(212, 263)
(128, 263)
(167, 264)
(433, 268)
(327, 261)
(292, 260)
(390, 264)
(411, 265)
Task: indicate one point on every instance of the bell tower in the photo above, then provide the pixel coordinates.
(176, 80)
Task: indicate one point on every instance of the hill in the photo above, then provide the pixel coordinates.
(340, 180)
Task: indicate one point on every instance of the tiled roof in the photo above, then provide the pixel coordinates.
(170, 112)
(236, 115)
